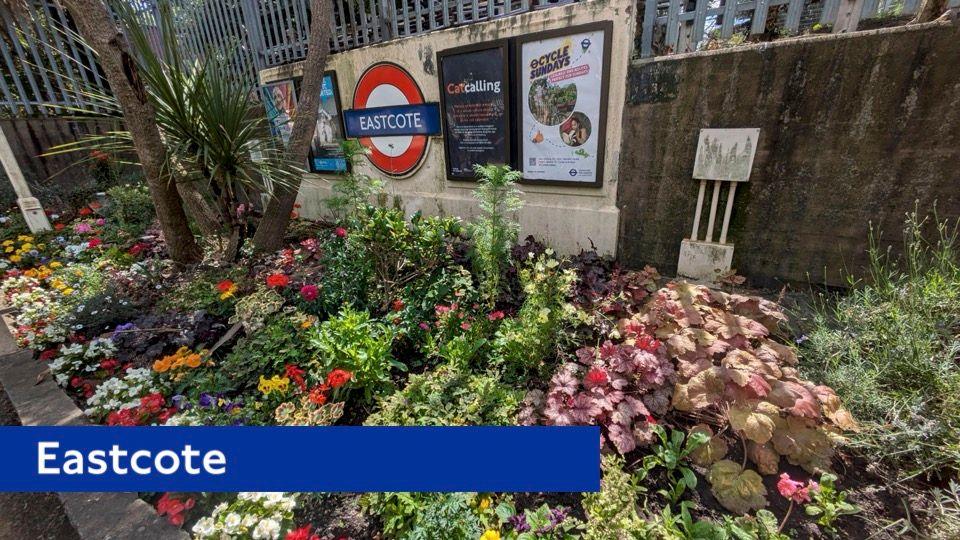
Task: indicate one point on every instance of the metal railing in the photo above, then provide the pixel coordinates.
(677, 26)
(38, 78)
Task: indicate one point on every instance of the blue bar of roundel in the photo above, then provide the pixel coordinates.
(345, 459)
(374, 122)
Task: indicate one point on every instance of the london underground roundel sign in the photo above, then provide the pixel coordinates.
(391, 119)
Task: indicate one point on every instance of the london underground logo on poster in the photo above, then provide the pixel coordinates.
(391, 119)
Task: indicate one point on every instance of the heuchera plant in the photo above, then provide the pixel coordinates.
(727, 363)
(615, 386)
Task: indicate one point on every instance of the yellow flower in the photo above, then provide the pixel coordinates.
(273, 384)
(484, 503)
(56, 264)
(68, 291)
(490, 535)
(24, 238)
(8, 242)
(15, 258)
(27, 247)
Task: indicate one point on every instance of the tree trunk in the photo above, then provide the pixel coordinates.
(101, 33)
(269, 235)
(199, 210)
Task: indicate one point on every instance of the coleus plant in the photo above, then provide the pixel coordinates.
(615, 386)
(728, 365)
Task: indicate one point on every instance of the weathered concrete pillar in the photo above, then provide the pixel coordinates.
(29, 205)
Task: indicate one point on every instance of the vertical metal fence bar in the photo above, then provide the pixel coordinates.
(77, 58)
(286, 28)
(269, 27)
(65, 57)
(301, 28)
(759, 17)
(869, 9)
(14, 32)
(646, 34)
(252, 28)
(351, 30)
(673, 25)
(446, 12)
(729, 18)
(829, 14)
(699, 21)
(418, 15)
(239, 39)
(794, 11)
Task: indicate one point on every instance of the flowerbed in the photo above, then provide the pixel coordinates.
(709, 430)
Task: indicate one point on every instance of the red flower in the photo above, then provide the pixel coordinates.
(109, 364)
(495, 315)
(338, 378)
(296, 375)
(340, 232)
(123, 417)
(224, 285)
(595, 377)
(651, 420)
(58, 226)
(465, 325)
(75, 382)
(318, 394)
(87, 390)
(294, 214)
(152, 403)
(648, 344)
(48, 355)
(166, 414)
(303, 533)
(85, 211)
(309, 292)
(173, 508)
(94, 242)
(137, 248)
(278, 280)
(95, 205)
(397, 305)
(793, 490)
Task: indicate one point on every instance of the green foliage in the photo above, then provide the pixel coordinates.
(353, 191)
(525, 345)
(281, 341)
(13, 226)
(495, 231)
(945, 513)
(542, 523)
(670, 453)
(612, 512)
(890, 350)
(200, 292)
(828, 503)
(354, 342)
(449, 396)
(424, 516)
(130, 209)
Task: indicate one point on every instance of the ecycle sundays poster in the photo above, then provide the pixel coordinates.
(561, 102)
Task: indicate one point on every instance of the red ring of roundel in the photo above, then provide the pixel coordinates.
(394, 75)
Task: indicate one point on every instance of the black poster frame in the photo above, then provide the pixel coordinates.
(506, 79)
(343, 134)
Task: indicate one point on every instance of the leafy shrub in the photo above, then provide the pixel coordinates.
(130, 209)
(212, 290)
(495, 231)
(449, 396)
(281, 341)
(612, 511)
(890, 349)
(727, 363)
(614, 386)
(542, 523)
(354, 342)
(525, 345)
(425, 516)
(353, 191)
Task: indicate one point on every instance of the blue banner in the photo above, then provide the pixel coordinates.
(334, 459)
(419, 119)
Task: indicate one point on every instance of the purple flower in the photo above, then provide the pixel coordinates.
(558, 515)
(206, 400)
(519, 523)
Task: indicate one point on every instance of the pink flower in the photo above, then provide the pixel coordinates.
(595, 377)
(465, 325)
(793, 490)
(424, 326)
(495, 316)
(101, 222)
(340, 232)
(309, 292)
(82, 228)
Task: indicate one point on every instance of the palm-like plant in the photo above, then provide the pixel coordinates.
(216, 135)
(495, 231)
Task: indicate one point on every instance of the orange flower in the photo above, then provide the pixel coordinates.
(278, 280)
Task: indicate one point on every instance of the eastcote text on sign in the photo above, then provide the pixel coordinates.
(391, 121)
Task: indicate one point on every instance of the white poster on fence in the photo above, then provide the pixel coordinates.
(561, 100)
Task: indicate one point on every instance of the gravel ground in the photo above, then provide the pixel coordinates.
(29, 516)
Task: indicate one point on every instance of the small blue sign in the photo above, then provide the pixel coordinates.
(345, 459)
(419, 119)
(329, 164)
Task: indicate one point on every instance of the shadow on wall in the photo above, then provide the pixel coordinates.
(855, 129)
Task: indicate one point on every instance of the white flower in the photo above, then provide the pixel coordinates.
(267, 529)
(231, 522)
(204, 527)
(249, 520)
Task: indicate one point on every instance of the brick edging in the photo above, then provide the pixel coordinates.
(100, 516)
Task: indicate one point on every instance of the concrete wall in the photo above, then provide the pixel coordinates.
(854, 128)
(568, 217)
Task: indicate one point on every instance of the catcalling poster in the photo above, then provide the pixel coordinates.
(561, 102)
